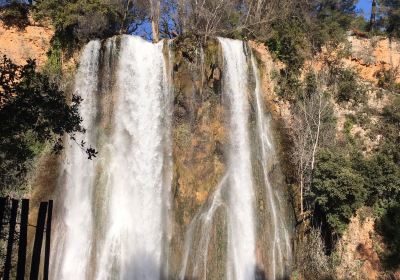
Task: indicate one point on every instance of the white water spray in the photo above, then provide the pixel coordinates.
(73, 252)
(241, 228)
(280, 245)
(115, 221)
(136, 181)
(133, 243)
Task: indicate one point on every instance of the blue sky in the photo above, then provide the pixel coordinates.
(364, 6)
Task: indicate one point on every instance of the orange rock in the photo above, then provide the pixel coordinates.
(19, 45)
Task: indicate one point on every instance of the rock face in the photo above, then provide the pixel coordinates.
(201, 140)
(199, 135)
(368, 56)
(31, 42)
(357, 250)
(199, 132)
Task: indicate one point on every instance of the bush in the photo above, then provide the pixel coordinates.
(338, 190)
(387, 79)
(348, 88)
(389, 227)
(382, 178)
(289, 43)
(34, 112)
(76, 22)
(311, 259)
(15, 14)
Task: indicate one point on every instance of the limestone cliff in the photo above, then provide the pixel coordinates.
(31, 42)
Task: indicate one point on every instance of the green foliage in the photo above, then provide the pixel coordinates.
(382, 179)
(347, 86)
(289, 43)
(289, 85)
(53, 66)
(79, 21)
(389, 227)
(347, 180)
(333, 19)
(15, 14)
(387, 79)
(360, 24)
(391, 17)
(33, 112)
(337, 188)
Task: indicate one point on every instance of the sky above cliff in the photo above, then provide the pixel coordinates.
(364, 7)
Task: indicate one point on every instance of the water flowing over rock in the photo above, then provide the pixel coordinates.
(187, 184)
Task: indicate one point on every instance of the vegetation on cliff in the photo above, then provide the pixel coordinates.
(34, 112)
(335, 171)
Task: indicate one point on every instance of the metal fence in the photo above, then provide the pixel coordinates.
(14, 225)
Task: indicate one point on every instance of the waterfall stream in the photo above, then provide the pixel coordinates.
(71, 257)
(114, 216)
(241, 233)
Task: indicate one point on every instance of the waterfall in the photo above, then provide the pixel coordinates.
(73, 249)
(134, 173)
(280, 248)
(241, 233)
(114, 215)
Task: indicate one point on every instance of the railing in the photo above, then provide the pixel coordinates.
(8, 232)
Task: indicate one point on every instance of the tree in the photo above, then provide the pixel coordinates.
(338, 189)
(34, 111)
(389, 227)
(15, 14)
(391, 17)
(155, 19)
(79, 21)
(372, 21)
(311, 127)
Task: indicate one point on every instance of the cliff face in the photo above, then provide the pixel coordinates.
(369, 56)
(199, 130)
(358, 252)
(31, 42)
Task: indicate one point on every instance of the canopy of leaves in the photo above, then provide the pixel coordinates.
(389, 227)
(33, 112)
(391, 17)
(79, 21)
(337, 188)
(15, 14)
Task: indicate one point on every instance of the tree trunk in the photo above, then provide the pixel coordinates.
(123, 27)
(372, 21)
(155, 17)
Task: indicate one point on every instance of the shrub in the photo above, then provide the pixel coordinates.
(34, 111)
(387, 79)
(389, 227)
(348, 88)
(311, 259)
(338, 190)
(15, 14)
(289, 43)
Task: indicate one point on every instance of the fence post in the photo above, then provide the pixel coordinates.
(37, 247)
(23, 232)
(48, 237)
(11, 232)
(3, 202)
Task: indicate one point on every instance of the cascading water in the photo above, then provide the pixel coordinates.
(280, 248)
(236, 192)
(241, 232)
(73, 247)
(114, 219)
(136, 184)
(133, 240)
